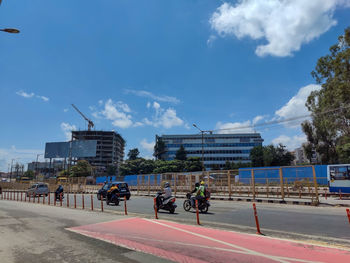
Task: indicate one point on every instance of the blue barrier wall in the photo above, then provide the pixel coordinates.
(129, 179)
(290, 173)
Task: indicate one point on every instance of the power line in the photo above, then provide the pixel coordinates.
(281, 121)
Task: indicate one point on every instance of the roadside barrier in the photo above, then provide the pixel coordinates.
(67, 199)
(101, 203)
(348, 213)
(155, 208)
(83, 200)
(75, 201)
(125, 208)
(197, 213)
(92, 203)
(256, 220)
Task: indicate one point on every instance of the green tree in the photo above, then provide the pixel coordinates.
(330, 125)
(159, 148)
(81, 169)
(29, 174)
(228, 165)
(193, 164)
(257, 156)
(111, 170)
(133, 154)
(181, 154)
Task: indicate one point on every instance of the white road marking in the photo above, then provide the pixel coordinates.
(221, 242)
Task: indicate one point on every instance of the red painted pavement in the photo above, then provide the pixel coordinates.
(187, 243)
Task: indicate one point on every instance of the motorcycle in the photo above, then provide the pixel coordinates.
(113, 197)
(203, 205)
(166, 204)
(58, 196)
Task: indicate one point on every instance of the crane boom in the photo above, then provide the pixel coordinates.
(90, 123)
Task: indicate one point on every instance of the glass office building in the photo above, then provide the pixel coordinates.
(217, 148)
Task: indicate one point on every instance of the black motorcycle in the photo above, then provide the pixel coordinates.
(203, 205)
(166, 204)
(113, 197)
(59, 196)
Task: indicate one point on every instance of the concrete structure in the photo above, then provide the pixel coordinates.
(300, 156)
(47, 169)
(110, 148)
(218, 148)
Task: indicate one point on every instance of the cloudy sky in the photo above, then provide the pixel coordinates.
(156, 67)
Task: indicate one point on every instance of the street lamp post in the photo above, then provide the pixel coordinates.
(194, 125)
(36, 166)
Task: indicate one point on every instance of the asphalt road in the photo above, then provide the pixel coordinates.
(36, 234)
(326, 224)
(323, 224)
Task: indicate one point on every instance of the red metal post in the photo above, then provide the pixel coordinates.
(17, 196)
(38, 199)
(340, 195)
(25, 197)
(83, 200)
(48, 198)
(92, 203)
(43, 199)
(33, 198)
(60, 199)
(101, 204)
(21, 196)
(75, 200)
(256, 220)
(325, 194)
(125, 209)
(197, 213)
(348, 213)
(54, 200)
(155, 208)
(67, 199)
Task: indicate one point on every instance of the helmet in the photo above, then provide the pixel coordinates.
(202, 183)
(197, 184)
(166, 184)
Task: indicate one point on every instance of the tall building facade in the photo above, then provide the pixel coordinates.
(109, 149)
(217, 148)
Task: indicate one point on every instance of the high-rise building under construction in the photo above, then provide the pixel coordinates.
(109, 148)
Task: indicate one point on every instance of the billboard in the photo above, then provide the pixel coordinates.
(78, 148)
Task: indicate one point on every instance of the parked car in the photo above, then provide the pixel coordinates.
(38, 189)
(122, 186)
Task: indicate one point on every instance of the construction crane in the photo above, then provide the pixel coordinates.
(90, 123)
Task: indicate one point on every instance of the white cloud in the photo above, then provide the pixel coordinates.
(257, 119)
(114, 112)
(164, 118)
(46, 99)
(123, 106)
(22, 156)
(25, 94)
(31, 95)
(67, 129)
(148, 146)
(290, 142)
(284, 24)
(295, 107)
(234, 127)
(65, 110)
(147, 94)
(211, 40)
(148, 105)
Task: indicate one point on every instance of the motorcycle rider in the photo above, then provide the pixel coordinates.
(200, 195)
(59, 191)
(113, 190)
(195, 190)
(166, 194)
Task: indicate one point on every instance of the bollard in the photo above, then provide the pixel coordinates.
(60, 199)
(101, 204)
(54, 199)
(17, 196)
(43, 199)
(256, 220)
(197, 213)
(83, 200)
(340, 195)
(25, 197)
(21, 196)
(48, 198)
(325, 194)
(155, 208)
(92, 203)
(75, 200)
(33, 199)
(125, 209)
(348, 213)
(67, 199)
(29, 198)
(38, 199)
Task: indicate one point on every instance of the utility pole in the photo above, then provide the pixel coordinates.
(194, 125)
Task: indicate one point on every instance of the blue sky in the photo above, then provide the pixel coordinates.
(156, 67)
